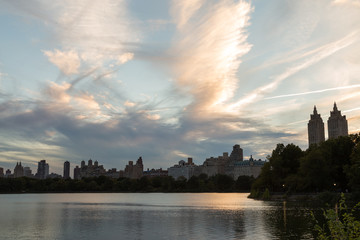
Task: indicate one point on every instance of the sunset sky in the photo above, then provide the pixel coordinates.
(113, 80)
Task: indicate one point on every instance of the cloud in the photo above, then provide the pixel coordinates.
(318, 55)
(316, 91)
(355, 3)
(129, 103)
(182, 11)
(68, 61)
(96, 31)
(208, 48)
(125, 58)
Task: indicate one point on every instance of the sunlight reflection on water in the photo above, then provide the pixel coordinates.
(143, 216)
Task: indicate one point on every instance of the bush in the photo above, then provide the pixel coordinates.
(341, 223)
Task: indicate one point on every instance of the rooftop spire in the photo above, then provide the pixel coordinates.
(315, 111)
(335, 107)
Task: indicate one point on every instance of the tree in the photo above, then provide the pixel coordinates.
(353, 169)
(314, 174)
(337, 153)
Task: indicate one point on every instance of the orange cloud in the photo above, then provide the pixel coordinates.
(68, 61)
(209, 48)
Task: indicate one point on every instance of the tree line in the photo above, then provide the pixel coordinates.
(333, 165)
(202, 183)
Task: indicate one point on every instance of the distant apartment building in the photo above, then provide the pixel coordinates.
(18, 170)
(66, 170)
(337, 124)
(155, 173)
(113, 173)
(233, 165)
(8, 174)
(133, 171)
(316, 132)
(182, 169)
(53, 175)
(249, 167)
(89, 170)
(42, 170)
(28, 172)
(1, 172)
(77, 174)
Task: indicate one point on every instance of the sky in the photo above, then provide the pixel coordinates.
(113, 80)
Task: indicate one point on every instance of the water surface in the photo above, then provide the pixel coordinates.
(149, 216)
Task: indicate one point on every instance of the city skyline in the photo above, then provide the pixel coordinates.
(166, 80)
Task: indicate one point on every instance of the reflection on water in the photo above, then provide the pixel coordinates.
(150, 216)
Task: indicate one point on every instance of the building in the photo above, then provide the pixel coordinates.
(337, 124)
(89, 170)
(1, 172)
(28, 172)
(18, 170)
(66, 169)
(53, 175)
(155, 173)
(43, 170)
(8, 174)
(113, 173)
(133, 171)
(183, 169)
(249, 167)
(316, 132)
(77, 173)
(233, 165)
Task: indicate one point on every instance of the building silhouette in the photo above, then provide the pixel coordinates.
(28, 172)
(43, 170)
(77, 173)
(337, 124)
(89, 170)
(133, 171)
(18, 170)
(8, 174)
(316, 132)
(233, 166)
(183, 169)
(1, 172)
(66, 169)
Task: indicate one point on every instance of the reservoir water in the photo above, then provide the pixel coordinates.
(150, 216)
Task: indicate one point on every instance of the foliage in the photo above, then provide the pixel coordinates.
(340, 223)
(202, 183)
(332, 166)
(266, 195)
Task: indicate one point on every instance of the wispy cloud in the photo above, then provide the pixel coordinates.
(316, 91)
(355, 3)
(182, 11)
(208, 49)
(319, 54)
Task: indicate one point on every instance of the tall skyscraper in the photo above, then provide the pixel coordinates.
(66, 170)
(337, 124)
(43, 169)
(316, 132)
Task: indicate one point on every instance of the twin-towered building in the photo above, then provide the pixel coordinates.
(337, 126)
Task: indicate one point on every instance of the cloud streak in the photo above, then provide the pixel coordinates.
(316, 91)
(319, 54)
(208, 47)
